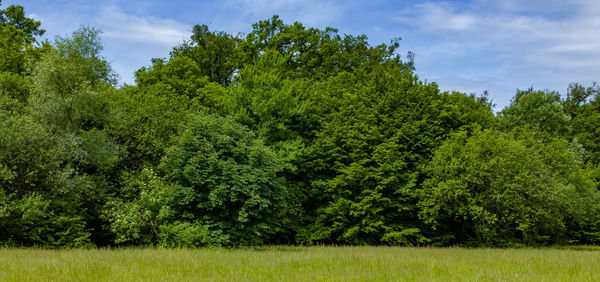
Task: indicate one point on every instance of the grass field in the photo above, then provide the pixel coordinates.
(301, 263)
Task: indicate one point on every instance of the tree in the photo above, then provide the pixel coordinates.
(69, 80)
(232, 175)
(378, 125)
(56, 156)
(541, 110)
(583, 105)
(40, 194)
(271, 73)
(481, 188)
(313, 53)
(144, 124)
(14, 16)
(289, 134)
(220, 183)
(215, 53)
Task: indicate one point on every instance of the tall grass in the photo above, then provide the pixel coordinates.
(300, 263)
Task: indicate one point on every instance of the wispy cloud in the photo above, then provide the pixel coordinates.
(147, 30)
(435, 17)
(546, 44)
(550, 41)
(131, 41)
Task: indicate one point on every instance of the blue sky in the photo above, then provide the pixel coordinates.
(468, 46)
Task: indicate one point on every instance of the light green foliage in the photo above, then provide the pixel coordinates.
(541, 110)
(14, 91)
(180, 76)
(68, 83)
(146, 213)
(14, 16)
(54, 156)
(486, 190)
(71, 83)
(191, 234)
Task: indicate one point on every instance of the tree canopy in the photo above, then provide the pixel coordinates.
(286, 135)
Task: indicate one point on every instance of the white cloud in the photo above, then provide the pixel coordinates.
(131, 41)
(438, 17)
(147, 30)
(546, 44)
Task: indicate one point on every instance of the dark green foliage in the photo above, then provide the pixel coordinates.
(33, 221)
(215, 53)
(43, 196)
(227, 178)
(144, 123)
(219, 187)
(369, 150)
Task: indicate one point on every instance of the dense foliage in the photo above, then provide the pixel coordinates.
(481, 188)
(286, 135)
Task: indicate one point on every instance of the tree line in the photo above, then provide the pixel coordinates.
(286, 135)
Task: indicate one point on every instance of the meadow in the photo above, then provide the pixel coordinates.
(300, 263)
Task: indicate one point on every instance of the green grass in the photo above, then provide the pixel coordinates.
(301, 263)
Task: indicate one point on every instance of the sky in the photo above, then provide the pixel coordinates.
(466, 46)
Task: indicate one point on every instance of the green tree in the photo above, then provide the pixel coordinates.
(215, 53)
(541, 110)
(144, 124)
(55, 154)
(222, 188)
(146, 213)
(68, 83)
(41, 194)
(271, 75)
(496, 188)
(15, 16)
(234, 178)
(583, 105)
(379, 125)
(313, 53)
(17, 49)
